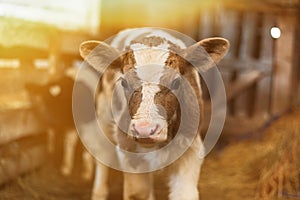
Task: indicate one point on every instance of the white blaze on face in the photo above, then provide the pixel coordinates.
(147, 109)
(150, 65)
(150, 74)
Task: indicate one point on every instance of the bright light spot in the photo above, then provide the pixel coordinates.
(275, 32)
(67, 14)
(55, 90)
(41, 63)
(10, 63)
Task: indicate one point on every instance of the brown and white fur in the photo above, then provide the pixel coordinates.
(145, 81)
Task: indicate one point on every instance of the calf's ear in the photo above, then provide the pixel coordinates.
(207, 52)
(99, 55)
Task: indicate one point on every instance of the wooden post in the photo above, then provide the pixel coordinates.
(263, 98)
(205, 24)
(283, 64)
(230, 29)
(296, 73)
(248, 41)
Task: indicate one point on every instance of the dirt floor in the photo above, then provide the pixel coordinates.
(260, 166)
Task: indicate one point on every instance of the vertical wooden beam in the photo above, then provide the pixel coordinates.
(248, 37)
(231, 105)
(283, 64)
(216, 29)
(263, 96)
(252, 95)
(296, 73)
(266, 53)
(230, 29)
(205, 23)
(245, 102)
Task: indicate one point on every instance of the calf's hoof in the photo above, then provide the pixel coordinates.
(99, 197)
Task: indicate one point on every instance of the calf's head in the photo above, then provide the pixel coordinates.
(151, 74)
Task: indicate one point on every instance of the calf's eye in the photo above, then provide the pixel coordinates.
(175, 84)
(124, 83)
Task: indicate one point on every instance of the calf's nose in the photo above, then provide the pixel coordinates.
(146, 129)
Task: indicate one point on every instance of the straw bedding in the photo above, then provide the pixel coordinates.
(264, 166)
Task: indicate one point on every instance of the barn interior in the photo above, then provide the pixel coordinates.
(257, 153)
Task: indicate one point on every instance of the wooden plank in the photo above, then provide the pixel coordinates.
(251, 103)
(243, 83)
(247, 46)
(296, 72)
(283, 64)
(229, 64)
(231, 104)
(249, 28)
(230, 29)
(230, 24)
(206, 22)
(237, 127)
(216, 17)
(263, 95)
(266, 46)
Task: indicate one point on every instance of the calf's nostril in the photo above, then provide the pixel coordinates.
(144, 131)
(154, 130)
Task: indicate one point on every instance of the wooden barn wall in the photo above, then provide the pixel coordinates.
(261, 74)
(247, 67)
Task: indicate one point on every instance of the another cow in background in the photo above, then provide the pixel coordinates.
(144, 80)
(53, 105)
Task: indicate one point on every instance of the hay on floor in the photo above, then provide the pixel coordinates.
(264, 167)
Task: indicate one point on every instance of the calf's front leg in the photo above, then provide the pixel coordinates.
(138, 186)
(184, 176)
(100, 188)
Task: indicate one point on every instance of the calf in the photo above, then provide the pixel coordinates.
(154, 90)
(53, 105)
